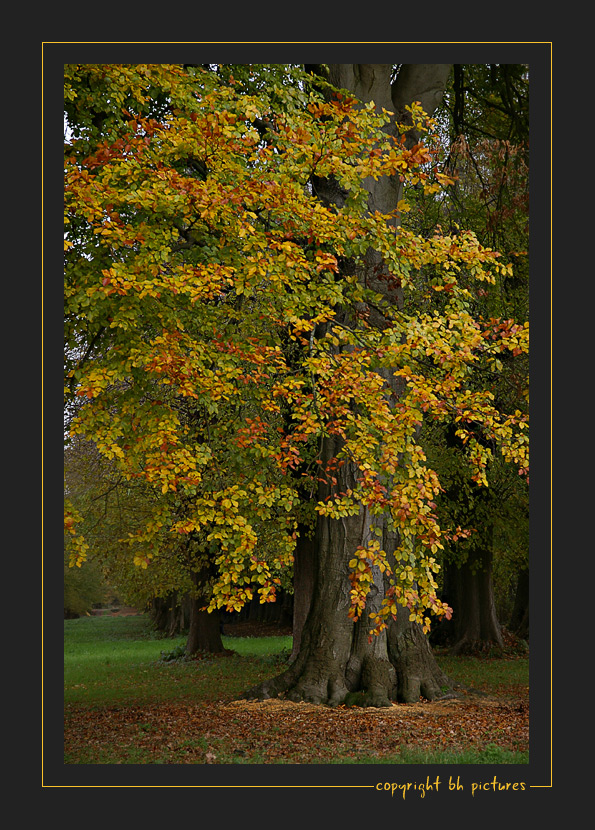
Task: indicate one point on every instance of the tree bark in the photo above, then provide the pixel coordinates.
(204, 633)
(304, 564)
(417, 672)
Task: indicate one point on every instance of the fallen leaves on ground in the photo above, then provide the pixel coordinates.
(279, 731)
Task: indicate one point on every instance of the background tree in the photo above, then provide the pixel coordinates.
(110, 509)
(83, 588)
(486, 126)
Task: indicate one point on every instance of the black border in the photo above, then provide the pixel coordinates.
(537, 772)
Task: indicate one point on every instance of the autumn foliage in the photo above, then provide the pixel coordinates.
(205, 353)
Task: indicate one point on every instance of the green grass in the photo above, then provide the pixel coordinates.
(139, 755)
(490, 755)
(492, 675)
(109, 660)
(117, 660)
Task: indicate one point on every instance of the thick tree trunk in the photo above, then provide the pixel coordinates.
(317, 674)
(204, 633)
(416, 670)
(335, 656)
(469, 590)
(337, 661)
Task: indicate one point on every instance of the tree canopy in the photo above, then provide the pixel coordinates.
(219, 325)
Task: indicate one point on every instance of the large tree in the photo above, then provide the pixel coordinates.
(398, 662)
(236, 276)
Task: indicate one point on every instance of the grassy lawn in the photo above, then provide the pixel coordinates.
(124, 703)
(117, 660)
